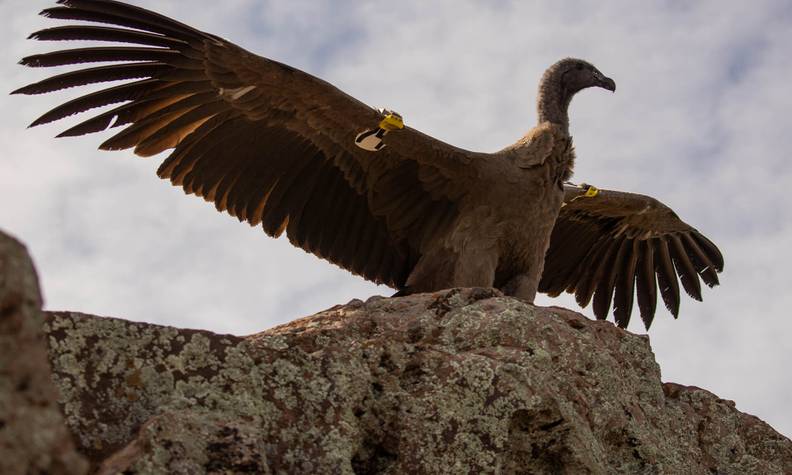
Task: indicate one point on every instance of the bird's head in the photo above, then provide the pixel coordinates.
(563, 80)
(575, 75)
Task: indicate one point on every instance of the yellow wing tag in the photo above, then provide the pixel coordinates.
(371, 139)
(392, 121)
(591, 190)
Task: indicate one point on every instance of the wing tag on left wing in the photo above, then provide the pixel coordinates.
(371, 139)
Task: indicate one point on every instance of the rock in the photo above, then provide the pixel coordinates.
(460, 381)
(33, 436)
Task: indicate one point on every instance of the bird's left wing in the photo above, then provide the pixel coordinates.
(268, 143)
(610, 245)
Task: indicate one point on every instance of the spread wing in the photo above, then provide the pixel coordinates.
(265, 142)
(614, 245)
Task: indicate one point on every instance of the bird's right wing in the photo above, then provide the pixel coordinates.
(265, 142)
(609, 244)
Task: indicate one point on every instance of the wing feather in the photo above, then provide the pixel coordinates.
(103, 54)
(121, 14)
(180, 167)
(118, 116)
(687, 274)
(625, 285)
(666, 277)
(168, 136)
(352, 243)
(591, 272)
(98, 74)
(646, 283)
(157, 122)
(610, 268)
(616, 246)
(209, 177)
(113, 95)
(279, 202)
(103, 33)
(704, 266)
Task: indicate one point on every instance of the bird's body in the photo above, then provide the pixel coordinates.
(496, 240)
(503, 230)
(279, 148)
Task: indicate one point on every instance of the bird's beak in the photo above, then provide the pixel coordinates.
(607, 83)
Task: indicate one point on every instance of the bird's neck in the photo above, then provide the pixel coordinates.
(553, 102)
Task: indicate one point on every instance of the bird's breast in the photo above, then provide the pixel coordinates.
(521, 209)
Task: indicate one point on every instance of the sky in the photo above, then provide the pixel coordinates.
(700, 120)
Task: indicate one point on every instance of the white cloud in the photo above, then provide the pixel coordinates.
(699, 120)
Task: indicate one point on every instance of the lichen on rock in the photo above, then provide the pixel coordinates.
(464, 380)
(458, 381)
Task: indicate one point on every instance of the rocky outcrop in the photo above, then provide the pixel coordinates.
(33, 436)
(460, 381)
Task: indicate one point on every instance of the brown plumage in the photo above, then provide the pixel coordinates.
(275, 147)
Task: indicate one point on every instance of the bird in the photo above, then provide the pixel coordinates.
(279, 148)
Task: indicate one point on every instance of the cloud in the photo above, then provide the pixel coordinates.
(699, 120)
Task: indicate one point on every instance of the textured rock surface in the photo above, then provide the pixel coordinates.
(33, 436)
(462, 381)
